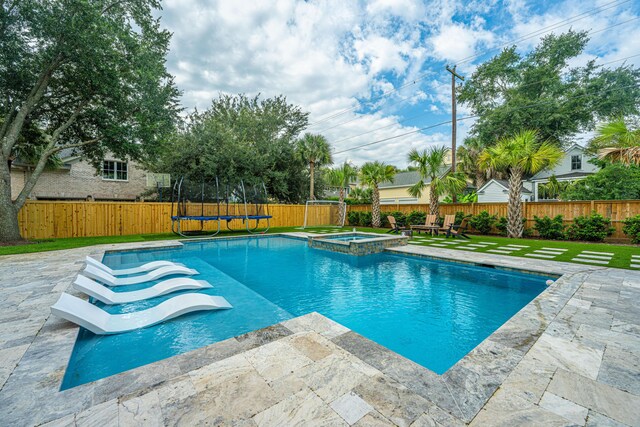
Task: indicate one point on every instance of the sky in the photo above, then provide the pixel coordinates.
(338, 60)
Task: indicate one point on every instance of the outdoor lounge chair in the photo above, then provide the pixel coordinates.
(100, 322)
(430, 224)
(449, 220)
(108, 279)
(135, 270)
(459, 230)
(107, 296)
(395, 226)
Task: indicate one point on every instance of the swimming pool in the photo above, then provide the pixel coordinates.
(431, 312)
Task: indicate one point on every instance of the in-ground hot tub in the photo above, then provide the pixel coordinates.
(356, 243)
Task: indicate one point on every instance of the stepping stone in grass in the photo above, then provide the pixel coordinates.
(547, 252)
(414, 243)
(540, 256)
(605, 257)
(506, 248)
(466, 248)
(598, 253)
(438, 245)
(591, 261)
(497, 251)
(555, 249)
(477, 245)
(518, 246)
(635, 266)
(488, 243)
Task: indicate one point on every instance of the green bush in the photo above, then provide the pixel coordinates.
(632, 228)
(550, 228)
(592, 228)
(416, 218)
(365, 219)
(460, 216)
(354, 218)
(399, 216)
(484, 222)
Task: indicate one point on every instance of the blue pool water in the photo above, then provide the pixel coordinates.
(432, 312)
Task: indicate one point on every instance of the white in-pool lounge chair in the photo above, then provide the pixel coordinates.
(108, 279)
(107, 296)
(135, 270)
(100, 322)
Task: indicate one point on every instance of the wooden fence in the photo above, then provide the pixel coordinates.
(53, 219)
(616, 210)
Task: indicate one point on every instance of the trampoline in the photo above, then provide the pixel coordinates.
(205, 202)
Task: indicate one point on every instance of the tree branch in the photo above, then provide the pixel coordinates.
(9, 140)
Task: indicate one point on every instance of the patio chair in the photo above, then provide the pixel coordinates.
(430, 224)
(100, 322)
(108, 279)
(135, 270)
(107, 296)
(395, 226)
(459, 230)
(447, 224)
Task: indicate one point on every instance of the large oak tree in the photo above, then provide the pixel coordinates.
(85, 75)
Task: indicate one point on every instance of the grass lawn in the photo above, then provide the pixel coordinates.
(606, 255)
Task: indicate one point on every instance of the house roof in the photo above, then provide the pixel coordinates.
(564, 176)
(407, 179)
(504, 184)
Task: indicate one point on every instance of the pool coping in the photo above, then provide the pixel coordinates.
(461, 391)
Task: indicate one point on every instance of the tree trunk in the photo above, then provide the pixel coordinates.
(9, 228)
(311, 181)
(375, 208)
(514, 212)
(434, 204)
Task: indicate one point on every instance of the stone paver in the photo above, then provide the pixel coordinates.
(570, 357)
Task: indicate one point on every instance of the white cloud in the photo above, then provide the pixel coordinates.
(329, 57)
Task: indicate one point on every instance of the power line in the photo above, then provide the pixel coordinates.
(419, 115)
(536, 33)
(552, 27)
(468, 118)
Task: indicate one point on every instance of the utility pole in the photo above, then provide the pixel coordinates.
(453, 121)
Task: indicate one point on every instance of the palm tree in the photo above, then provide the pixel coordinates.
(617, 142)
(341, 177)
(468, 155)
(430, 165)
(372, 174)
(361, 195)
(522, 154)
(315, 150)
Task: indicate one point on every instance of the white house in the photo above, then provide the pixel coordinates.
(497, 190)
(573, 166)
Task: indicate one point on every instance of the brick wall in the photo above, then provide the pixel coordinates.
(81, 181)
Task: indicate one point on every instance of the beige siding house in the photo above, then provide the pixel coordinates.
(77, 180)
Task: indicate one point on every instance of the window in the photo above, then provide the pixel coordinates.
(576, 162)
(114, 170)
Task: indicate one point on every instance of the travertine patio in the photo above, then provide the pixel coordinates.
(570, 357)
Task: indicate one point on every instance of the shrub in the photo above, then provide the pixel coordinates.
(354, 218)
(416, 218)
(484, 222)
(365, 219)
(550, 228)
(460, 216)
(632, 228)
(592, 228)
(399, 216)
